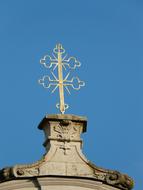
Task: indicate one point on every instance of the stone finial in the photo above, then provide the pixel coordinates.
(64, 155)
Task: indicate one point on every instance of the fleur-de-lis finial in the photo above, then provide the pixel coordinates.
(63, 65)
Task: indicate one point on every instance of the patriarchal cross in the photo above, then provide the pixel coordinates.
(60, 70)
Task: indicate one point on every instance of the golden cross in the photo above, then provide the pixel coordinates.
(60, 74)
(61, 63)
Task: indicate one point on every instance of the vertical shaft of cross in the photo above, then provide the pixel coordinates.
(60, 76)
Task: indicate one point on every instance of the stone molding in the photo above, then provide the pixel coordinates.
(53, 182)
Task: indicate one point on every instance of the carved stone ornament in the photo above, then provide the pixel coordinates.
(64, 156)
(66, 131)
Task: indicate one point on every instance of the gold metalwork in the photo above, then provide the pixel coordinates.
(60, 63)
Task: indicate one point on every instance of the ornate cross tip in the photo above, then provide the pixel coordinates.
(60, 70)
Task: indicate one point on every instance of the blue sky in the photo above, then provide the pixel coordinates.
(107, 37)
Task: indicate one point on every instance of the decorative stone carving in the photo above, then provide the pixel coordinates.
(64, 156)
(65, 148)
(66, 131)
(115, 179)
(119, 180)
(6, 174)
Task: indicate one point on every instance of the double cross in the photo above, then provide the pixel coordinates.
(59, 63)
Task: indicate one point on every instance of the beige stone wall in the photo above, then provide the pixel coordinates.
(55, 183)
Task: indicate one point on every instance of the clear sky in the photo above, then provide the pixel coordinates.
(107, 37)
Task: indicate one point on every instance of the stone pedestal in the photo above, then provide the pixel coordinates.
(63, 166)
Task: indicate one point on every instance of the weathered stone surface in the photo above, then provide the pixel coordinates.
(55, 183)
(64, 155)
